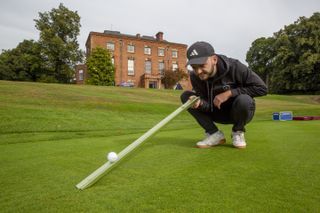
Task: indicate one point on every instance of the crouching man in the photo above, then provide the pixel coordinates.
(226, 88)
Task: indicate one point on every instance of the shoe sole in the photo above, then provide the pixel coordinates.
(239, 147)
(207, 146)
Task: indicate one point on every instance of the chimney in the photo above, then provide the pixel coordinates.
(159, 36)
(138, 35)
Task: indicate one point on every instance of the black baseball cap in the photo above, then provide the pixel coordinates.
(199, 52)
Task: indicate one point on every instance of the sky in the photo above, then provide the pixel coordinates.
(229, 25)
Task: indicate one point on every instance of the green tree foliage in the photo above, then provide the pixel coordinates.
(22, 63)
(171, 78)
(59, 29)
(290, 60)
(260, 57)
(53, 57)
(100, 68)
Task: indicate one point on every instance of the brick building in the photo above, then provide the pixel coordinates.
(139, 60)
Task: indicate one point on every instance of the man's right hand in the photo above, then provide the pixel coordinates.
(196, 104)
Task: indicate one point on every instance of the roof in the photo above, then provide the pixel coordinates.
(138, 37)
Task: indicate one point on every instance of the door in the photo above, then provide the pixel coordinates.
(153, 84)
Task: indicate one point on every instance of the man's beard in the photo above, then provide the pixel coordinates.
(205, 75)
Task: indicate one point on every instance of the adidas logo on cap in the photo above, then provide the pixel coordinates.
(194, 52)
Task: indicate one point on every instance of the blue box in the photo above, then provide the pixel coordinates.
(275, 116)
(286, 116)
(282, 116)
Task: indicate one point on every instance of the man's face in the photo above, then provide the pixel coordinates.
(206, 70)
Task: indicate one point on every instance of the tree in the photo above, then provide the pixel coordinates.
(260, 57)
(59, 29)
(22, 63)
(6, 61)
(291, 58)
(171, 78)
(298, 55)
(100, 68)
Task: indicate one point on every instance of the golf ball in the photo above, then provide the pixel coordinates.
(112, 157)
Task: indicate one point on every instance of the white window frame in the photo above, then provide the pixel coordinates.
(161, 51)
(147, 50)
(175, 66)
(130, 48)
(161, 68)
(148, 66)
(80, 75)
(174, 53)
(110, 45)
(130, 66)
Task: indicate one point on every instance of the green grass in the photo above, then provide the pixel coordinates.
(52, 136)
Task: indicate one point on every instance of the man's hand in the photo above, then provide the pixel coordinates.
(221, 98)
(196, 104)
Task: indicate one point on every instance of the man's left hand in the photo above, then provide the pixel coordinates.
(221, 98)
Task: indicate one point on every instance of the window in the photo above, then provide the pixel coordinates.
(130, 66)
(147, 50)
(161, 67)
(80, 75)
(174, 66)
(147, 66)
(130, 48)
(110, 46)
(174, 53)
(161, 52)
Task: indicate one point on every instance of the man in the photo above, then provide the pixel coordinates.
(226, 89)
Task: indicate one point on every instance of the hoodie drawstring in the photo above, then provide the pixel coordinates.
(210, 95)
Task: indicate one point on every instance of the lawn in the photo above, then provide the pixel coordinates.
(52, 136)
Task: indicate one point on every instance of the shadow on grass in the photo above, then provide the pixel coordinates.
(184, 142)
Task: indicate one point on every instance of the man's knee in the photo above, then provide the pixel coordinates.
(244, 102)
(186, 95)
(243, 110)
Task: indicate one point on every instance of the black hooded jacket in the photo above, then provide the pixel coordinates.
(231, 75)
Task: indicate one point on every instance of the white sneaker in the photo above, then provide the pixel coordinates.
(212, 140)
(238, 139)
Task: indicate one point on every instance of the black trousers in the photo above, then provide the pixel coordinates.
(237, 111)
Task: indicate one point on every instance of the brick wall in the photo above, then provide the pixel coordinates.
(121, 55)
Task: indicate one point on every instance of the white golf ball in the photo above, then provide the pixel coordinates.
(112, 157)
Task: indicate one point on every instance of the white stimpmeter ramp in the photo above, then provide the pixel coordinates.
(96, 175)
